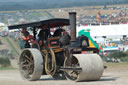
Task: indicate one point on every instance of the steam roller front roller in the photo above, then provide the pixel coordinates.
(87, 67)
(31, 64)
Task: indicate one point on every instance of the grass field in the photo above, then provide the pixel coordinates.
(123, 66)
(116, 64)
(7, 68)
(18, 17)
(12, 47)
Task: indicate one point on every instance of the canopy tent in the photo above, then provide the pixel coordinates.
(3, 27)
(2, 24)
(106, 30)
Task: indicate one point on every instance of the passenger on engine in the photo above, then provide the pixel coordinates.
(25, 37)
(64, 36)
(43, 36)
(59, 32)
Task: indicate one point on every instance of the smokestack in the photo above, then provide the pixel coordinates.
(72, 16)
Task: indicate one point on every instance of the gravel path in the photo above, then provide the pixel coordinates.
(110, 77)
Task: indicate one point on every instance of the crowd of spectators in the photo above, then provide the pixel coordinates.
(114, 18)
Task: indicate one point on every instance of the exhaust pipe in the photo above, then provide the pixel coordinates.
(72, 16)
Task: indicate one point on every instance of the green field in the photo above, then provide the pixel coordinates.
(12, 45)
(17, 17)
(116, 64)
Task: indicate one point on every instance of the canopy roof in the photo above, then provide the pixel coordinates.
(50, 23)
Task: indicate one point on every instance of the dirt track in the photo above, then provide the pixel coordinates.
(111, 76)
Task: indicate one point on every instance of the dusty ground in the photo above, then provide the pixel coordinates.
(115, 74)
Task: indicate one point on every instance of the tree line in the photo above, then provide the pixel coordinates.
(8, 6)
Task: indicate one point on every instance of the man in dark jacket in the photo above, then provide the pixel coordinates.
(43, 36)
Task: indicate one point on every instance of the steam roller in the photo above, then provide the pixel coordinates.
(62, 56)
(79, 67)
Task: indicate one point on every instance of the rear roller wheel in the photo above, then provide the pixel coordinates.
(30, 64)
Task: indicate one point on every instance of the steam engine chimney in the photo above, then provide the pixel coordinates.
(72, 16)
